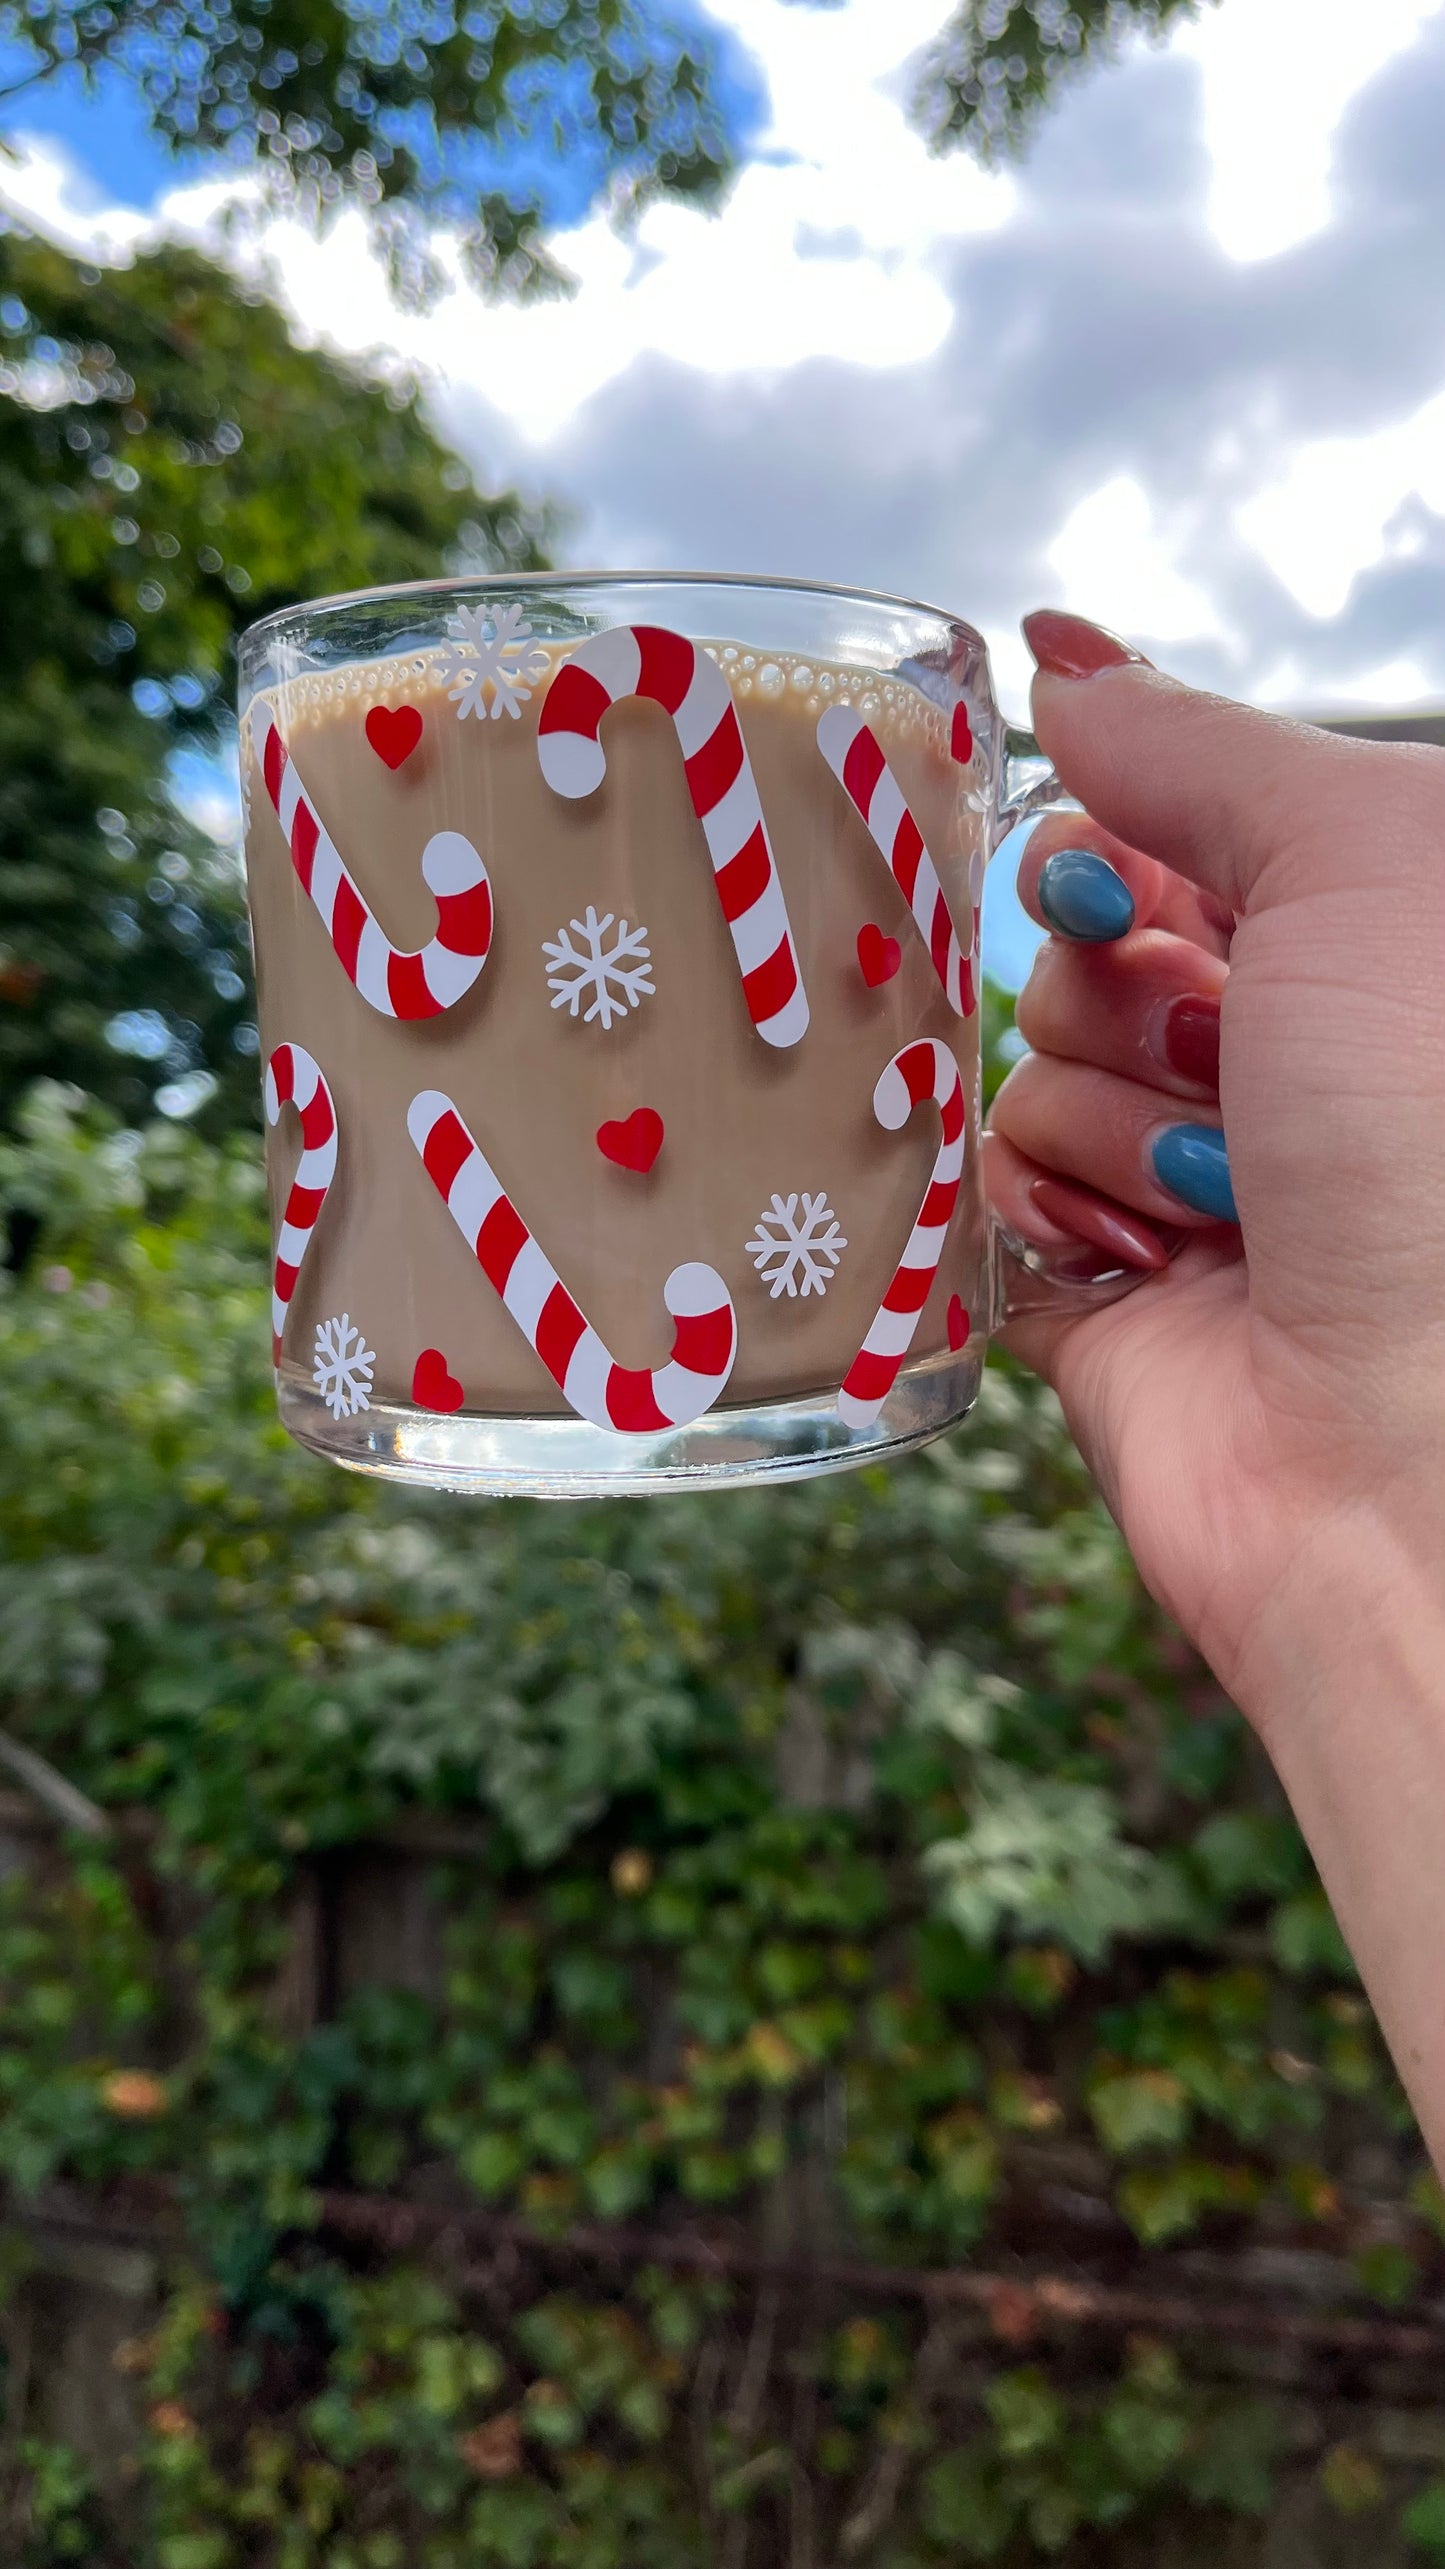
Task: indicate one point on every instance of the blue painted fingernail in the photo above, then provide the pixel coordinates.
(1192, 1161)
(1082, 897)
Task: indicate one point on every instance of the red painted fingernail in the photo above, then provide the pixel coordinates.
(1184, 1036)
(1068, 646)
(1085, 1216)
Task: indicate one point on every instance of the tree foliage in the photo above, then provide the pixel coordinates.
(861, 1868)
(419, 112)
(171, 466)
(998, 64)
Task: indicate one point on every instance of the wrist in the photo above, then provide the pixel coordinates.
(1354, 1623)
(1344, 1679)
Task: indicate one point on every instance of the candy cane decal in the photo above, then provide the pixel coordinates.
(852, 752)
(408, 986)
(921, 1071)
(294, 1079)
(637, 1401)
(646, 660)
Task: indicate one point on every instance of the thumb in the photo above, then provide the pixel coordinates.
(1231, 798)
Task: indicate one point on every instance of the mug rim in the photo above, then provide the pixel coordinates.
(469, 581)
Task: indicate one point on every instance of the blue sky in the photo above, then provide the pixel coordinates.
(104, 132)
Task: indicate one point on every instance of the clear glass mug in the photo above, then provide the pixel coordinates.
(617, 955)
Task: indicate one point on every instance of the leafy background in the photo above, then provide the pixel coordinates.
(776, 2029)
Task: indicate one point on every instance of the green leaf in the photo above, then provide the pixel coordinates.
(1046, 1858)
(492, 2163)
(1247, 1854)
(1351, 2480)
(1423, 2521)
(965, 2508)
(1387, 2272)
(1028, 2416)
(1307, 1940)
(195, 2551)
(550, 2416)
(1233, 2457)
(1426, 2198)
(1148, 2435)
(616, 2182)
(1166, 2202)
(1040, 1978)
(709, 2175)
(1139, 2109)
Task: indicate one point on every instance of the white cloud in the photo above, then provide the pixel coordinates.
(1115, 564)
(46, 186)
(1278, 75)
(1388, 684)
(1360, 490)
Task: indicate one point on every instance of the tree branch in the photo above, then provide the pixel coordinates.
(17, 88)
(1017, 2306)
(53, 1791)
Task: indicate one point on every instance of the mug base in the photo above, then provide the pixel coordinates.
(565, 1457)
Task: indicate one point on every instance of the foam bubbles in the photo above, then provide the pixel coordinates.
(781, 679)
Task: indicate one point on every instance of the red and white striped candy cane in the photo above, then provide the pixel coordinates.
(294, 1079)
(409, 986)
(647, 660)
(921, 1071)
(852, 752)
(638, 1401)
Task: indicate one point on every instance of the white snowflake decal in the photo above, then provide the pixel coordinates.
(617, 975)
(343, 1368)
(793, 1247)
(491, 648)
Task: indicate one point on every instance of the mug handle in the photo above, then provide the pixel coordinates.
(1025, 1281)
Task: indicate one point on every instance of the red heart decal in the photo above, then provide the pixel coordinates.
(960, 738)
(393, 731)
(878, 956)
(957, 1324)
(635, 1143)
(432, 1386)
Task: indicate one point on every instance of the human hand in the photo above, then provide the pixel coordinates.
(1266, 1415)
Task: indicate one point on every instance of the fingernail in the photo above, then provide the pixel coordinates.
(1085, 1216)
(1184, 1035)
(1069, 646)
(1191, 1160)
(1082, 897)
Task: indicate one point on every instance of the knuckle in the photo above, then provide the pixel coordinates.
(1011, 1102)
